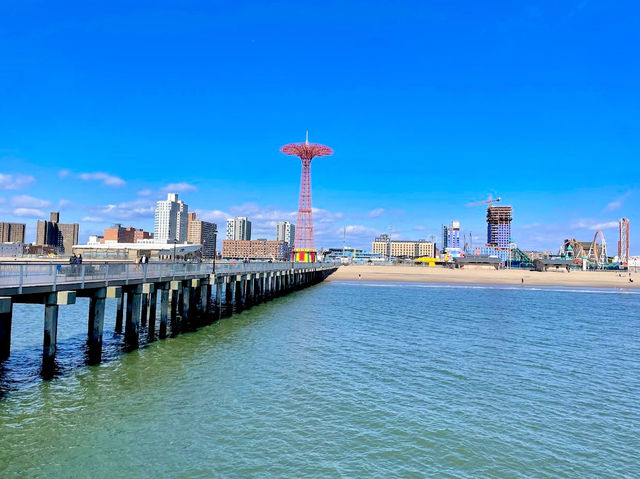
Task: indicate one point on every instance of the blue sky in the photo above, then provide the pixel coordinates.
(106, 106)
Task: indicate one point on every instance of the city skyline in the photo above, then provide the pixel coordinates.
(420, 126)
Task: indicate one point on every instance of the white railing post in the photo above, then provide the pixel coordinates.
(126, 273)
(106, 274)
(83, 273)
(21, 278)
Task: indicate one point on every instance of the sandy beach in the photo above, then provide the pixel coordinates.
(421, 274)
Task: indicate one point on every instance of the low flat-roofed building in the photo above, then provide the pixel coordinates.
(131, 251)
(11, 250)
(554, 264)
(478, 262)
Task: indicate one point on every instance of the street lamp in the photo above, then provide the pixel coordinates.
(174, 249)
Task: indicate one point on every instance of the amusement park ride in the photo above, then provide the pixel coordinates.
(304, 245)
(593, 255)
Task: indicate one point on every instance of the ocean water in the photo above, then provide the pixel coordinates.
(341, 380)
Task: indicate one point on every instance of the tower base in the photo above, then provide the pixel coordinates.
(303, 256)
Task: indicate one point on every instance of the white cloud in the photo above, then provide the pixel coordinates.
(359, 230)
(179, 187)
(604, 226)
(29, 212)
(617, 203)
(376, 213)
(216, 216)
(92, 219)
(64, 173)
(26, 201)
(105, 178)
(128, 210)
(145, 192)
(15, 182)
(419, 228)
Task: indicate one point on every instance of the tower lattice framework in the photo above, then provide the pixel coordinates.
(304, 245)
(623, 241)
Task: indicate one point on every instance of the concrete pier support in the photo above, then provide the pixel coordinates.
(51, 303)
(144, 306)
(203, 296)
(153, 301)
(164, 309)
(95, 325)
(132, 325)
(119, 313)
(251, 300)
(219, 286)
(176, 293)
(186, 303)
(6, 312)
(238, 292)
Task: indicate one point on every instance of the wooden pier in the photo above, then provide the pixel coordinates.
(189, 293)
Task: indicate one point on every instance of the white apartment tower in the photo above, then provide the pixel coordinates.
(285, 231)
(238, 228)
(171, 221)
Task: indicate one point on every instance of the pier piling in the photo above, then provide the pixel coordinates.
(6, 311)
(96, 324)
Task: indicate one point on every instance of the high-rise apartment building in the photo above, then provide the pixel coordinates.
(62, 236)
(171, 222)
(499, 226)
(451, 237)
(238, 228)
(12, 232)
(286, 232)
(204, 233)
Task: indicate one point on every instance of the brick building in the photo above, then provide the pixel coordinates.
(118, 234)
(255, 249)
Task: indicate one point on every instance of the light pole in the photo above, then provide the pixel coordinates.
(174, 249)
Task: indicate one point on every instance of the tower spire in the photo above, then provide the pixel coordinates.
(307, 138)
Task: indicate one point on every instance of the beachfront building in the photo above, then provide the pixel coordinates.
(261, 249)
(286, 231)
(171, 220)
(402, 248)
(238, 228)
(131, 251)
(204, 233)
(351, 255)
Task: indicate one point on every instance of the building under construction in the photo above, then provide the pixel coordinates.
(499, 226)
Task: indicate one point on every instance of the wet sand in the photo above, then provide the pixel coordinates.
(423, 274)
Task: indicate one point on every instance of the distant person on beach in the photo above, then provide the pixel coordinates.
(359, 276)
(521, 280)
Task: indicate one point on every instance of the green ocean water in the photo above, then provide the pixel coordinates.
(341, 380)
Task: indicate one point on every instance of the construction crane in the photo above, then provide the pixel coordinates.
(487, 201)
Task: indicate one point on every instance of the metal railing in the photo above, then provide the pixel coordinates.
(51, 274)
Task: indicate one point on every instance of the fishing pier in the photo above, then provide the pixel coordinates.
(187, 295)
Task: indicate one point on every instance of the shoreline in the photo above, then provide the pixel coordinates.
(512, 277)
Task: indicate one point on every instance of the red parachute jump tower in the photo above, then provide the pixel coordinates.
(304, 244)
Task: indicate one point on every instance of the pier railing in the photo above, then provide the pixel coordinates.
(33, 274)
